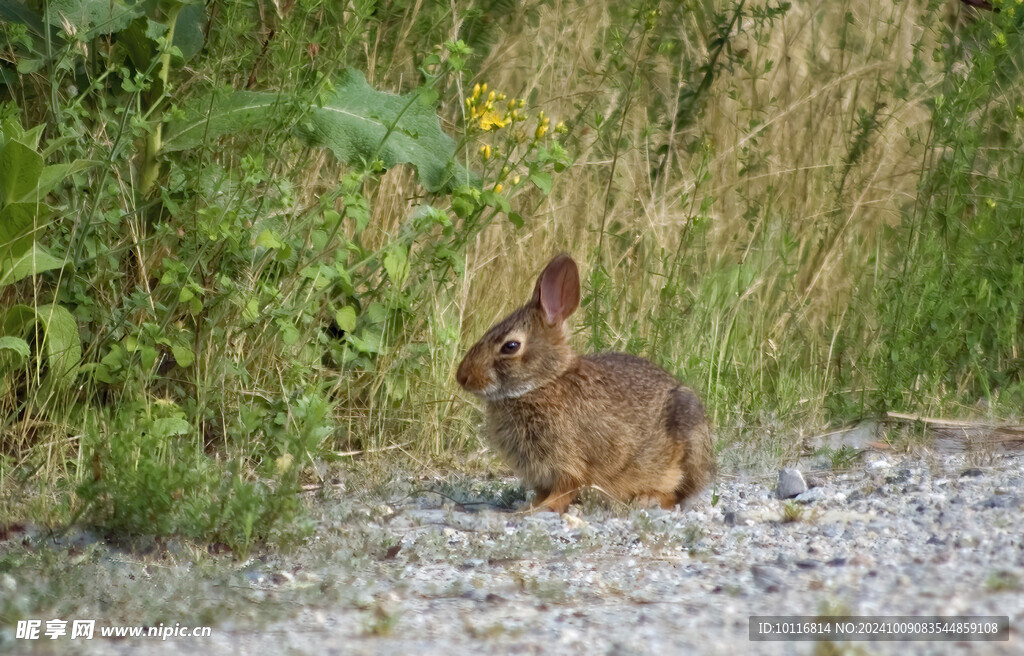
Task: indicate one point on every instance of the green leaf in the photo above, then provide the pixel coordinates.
(168, 426)
(28, 66)
(269, 239)
(32, 262)
(16, 344)
(360, 124)
(188, 30)
(16, 222)
(357, 123)
(226, 112)
(92, 18)
(346, 318)
(139, 40)
(20, 167)
(396, 265)
(148, 356)
(542, 181)
(183, 355)
(251, 311)
(367, 341)
(61, 343)
(52, 175)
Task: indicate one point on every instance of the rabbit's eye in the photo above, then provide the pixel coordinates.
(508, 348)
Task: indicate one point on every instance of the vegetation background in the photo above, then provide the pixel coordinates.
(240, 240)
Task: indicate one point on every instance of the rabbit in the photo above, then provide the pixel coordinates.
(564, 421)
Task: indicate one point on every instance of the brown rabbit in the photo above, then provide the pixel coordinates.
(565, 421)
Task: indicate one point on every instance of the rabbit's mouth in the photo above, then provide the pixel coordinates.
(495, 392)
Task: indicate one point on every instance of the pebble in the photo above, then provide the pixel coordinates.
(791, 483)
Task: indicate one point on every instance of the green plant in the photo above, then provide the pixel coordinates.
(950, 311)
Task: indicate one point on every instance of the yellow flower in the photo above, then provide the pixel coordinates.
(542, 126)
(485, 151)
(515, 180)
(490, 119)
(498, 188)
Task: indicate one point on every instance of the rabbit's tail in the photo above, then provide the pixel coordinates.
(687, 424)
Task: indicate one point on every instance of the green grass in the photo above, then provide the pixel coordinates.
(809, 211)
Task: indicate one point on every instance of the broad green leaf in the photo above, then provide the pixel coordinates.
(63, 345)
(188, 30)
(289, 333)
(367, 341)
(16, 222)
(148, 356)
(18, 12)
(90, 18)
(346, 318)
(139, 40)
(168, 426)
(396, 265)
(15, 344)
(357, 123)
(27, 66)
(542, 181)
(225, 112)
(20, 167)
(251, 310)
(61, 342)
(269, 239)
(52, 175)
(183, 355)
(32, 262)
(360, 124)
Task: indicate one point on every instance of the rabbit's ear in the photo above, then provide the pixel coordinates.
(558, 289)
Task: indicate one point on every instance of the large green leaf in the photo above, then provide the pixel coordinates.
(90, 18)
(357, 122)
(14, 344)
(20, 167)
(60, 336)
(54, 174)
(33, 261)
(16, 223)
(189, 30)
(222, 113)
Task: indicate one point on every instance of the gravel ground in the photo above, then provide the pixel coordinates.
(409, 572)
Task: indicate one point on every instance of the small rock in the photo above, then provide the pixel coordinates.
(811, 495)
(573, 522)
(877, 462)
(791, 483)
(1001, 501)
(769, 579)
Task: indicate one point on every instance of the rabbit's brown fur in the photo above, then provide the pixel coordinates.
(564, 421)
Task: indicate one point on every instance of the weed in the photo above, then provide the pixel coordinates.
(793, 512)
